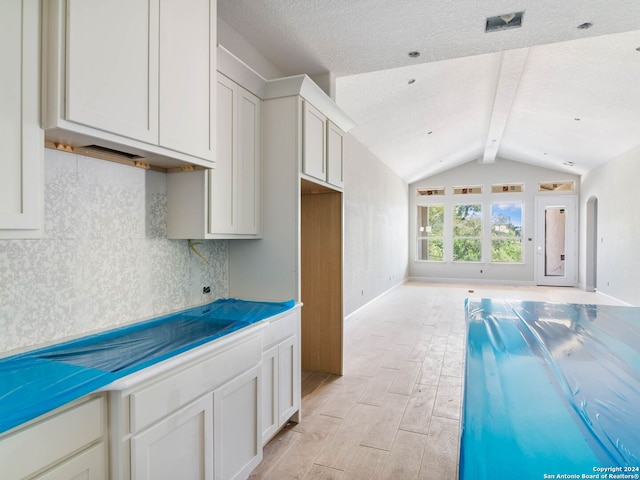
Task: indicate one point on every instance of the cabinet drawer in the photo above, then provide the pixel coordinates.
(35, 447)
(280, 329)
(157, 400)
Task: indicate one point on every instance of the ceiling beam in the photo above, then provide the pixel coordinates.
(511, 68)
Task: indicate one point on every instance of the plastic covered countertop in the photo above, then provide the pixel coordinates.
(550, 389)
(41, 380)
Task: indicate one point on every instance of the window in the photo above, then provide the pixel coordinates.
(467, 190)
(467, 233)
(507, 188)
(430, 191)
(430, 232)
(556, 186)
(506, 232)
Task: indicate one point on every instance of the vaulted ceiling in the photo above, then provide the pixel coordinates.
(550, 92)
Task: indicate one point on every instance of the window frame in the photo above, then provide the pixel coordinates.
(420, 236)
(519, 235)
(479, 237)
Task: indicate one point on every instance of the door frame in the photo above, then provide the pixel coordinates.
(570, 204)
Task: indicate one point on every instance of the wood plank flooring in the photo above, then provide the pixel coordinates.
(395, 413)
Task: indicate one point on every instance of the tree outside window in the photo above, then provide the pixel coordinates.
(506, 232)
(467, 233)
(430, 241)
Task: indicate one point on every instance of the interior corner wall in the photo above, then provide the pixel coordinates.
(615, 185)
(375, 227)
(474, 173)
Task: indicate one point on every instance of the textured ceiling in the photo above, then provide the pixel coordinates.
(547, 93)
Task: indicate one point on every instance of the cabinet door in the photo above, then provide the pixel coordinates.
(270, 394)
(88, 465)
(180, 446)
(335, 155)
(314, 144)
(112, 66)
(221, 179)
(187, 72)
(21, 181)
(234, 184)
(237, 426)
(288, 378)
(249, 155)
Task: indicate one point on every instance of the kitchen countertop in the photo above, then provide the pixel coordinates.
(38, 381)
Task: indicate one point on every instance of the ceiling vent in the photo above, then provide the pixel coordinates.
(504, 22)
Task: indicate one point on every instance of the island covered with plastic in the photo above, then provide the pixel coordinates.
(550, 389)
(41, 380)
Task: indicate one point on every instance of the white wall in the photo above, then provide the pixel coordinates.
(615, 184)
(104, 259)
(375, 227)
(474, 173)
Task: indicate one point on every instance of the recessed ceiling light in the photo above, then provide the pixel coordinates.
(414, 54)
(504, 21)
(429, 133)
(411, 81)
(545, 153)
(638, 49)
(585, 25)
(577, 119)
(568, 164)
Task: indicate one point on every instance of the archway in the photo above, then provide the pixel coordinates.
(591, 278)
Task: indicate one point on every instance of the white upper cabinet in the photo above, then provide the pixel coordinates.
(323, 128)
(335, 155)
(187, 76)
(234, 191)
(112, 66)
(224, 202)
(314, 140)
(21, 181)
(132, 75)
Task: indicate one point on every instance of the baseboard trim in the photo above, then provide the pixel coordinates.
(474, 281)
(362, 307)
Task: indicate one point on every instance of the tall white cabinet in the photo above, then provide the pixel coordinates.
(21, 181)
(303, 137)
(141, 80)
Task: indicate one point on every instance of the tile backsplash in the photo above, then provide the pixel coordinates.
(104, 259)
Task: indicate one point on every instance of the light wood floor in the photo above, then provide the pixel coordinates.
(395, 414)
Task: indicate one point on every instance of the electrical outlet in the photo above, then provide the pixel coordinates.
(206, 290)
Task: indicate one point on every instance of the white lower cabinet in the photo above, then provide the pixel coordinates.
(68, 444)
(193, 419)
(237, 442)
(180, 446)
(280, 374)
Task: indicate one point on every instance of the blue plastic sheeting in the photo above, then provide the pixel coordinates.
(551, 389)
(41, 380)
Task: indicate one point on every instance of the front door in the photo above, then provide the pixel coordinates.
(557, 241)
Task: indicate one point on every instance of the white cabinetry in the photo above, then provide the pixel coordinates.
(66, 444)
(335, 155)
(280, 374)
(237, 419)
(224, 202)
(21, 181)
(132, 75)
(323, 150)
(179, 446)
(193, 419)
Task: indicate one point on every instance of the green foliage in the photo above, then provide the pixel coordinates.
(506, 250)
(467, 233)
